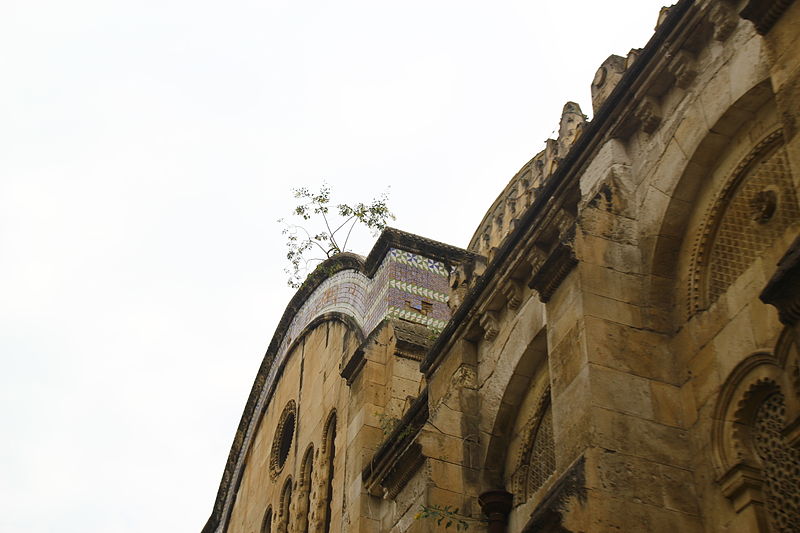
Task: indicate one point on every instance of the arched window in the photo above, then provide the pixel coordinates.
(304, 490)
(758, 468)
(748, 214)
(537, 460)
(285, 505)
(780, 464)
(328, 452)
(266, 525)
(282, 441)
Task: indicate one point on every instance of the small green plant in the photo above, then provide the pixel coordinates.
(387, 423)
(323, 229)
(446, 515)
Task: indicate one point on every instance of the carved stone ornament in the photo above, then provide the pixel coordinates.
(682, 67)
(752, 209)
(649, 114)
(490, 324)
(553, 271)
(512, 290)
(723, 20)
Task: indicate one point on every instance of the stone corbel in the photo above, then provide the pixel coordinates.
(722, 19)
(649, 114)
(682, 67)
(555, 269)
(490, 324)
(565, 224)
(536, 258)
(512, 290)
(783, 288)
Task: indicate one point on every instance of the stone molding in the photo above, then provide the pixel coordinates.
(562, 188)
(275, 463)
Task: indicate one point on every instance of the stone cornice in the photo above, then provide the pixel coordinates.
(401, 240)
(557, 194)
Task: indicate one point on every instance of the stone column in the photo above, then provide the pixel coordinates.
(496, 504)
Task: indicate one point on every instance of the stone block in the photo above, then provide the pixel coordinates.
(446, 475)
(642, 438)
(604, 252)
(612, 310)
(668, 404)
(567, 359)
(624, 348)
(620, 391)
(611, 283)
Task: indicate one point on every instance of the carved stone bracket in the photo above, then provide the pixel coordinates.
(649, 114)
(512, 290)
(783, 289)
(722, 19)
(490, 324)
(682, 67)
(553, 271)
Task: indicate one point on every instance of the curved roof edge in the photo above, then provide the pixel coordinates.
(390, 238)
(323, 271)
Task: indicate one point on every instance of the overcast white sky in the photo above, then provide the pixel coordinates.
(147, 149)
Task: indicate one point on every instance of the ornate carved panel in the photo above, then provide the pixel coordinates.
(780, 465)
(537, 460)
(752, 210)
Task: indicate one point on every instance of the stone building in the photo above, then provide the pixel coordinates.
(616, 349)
